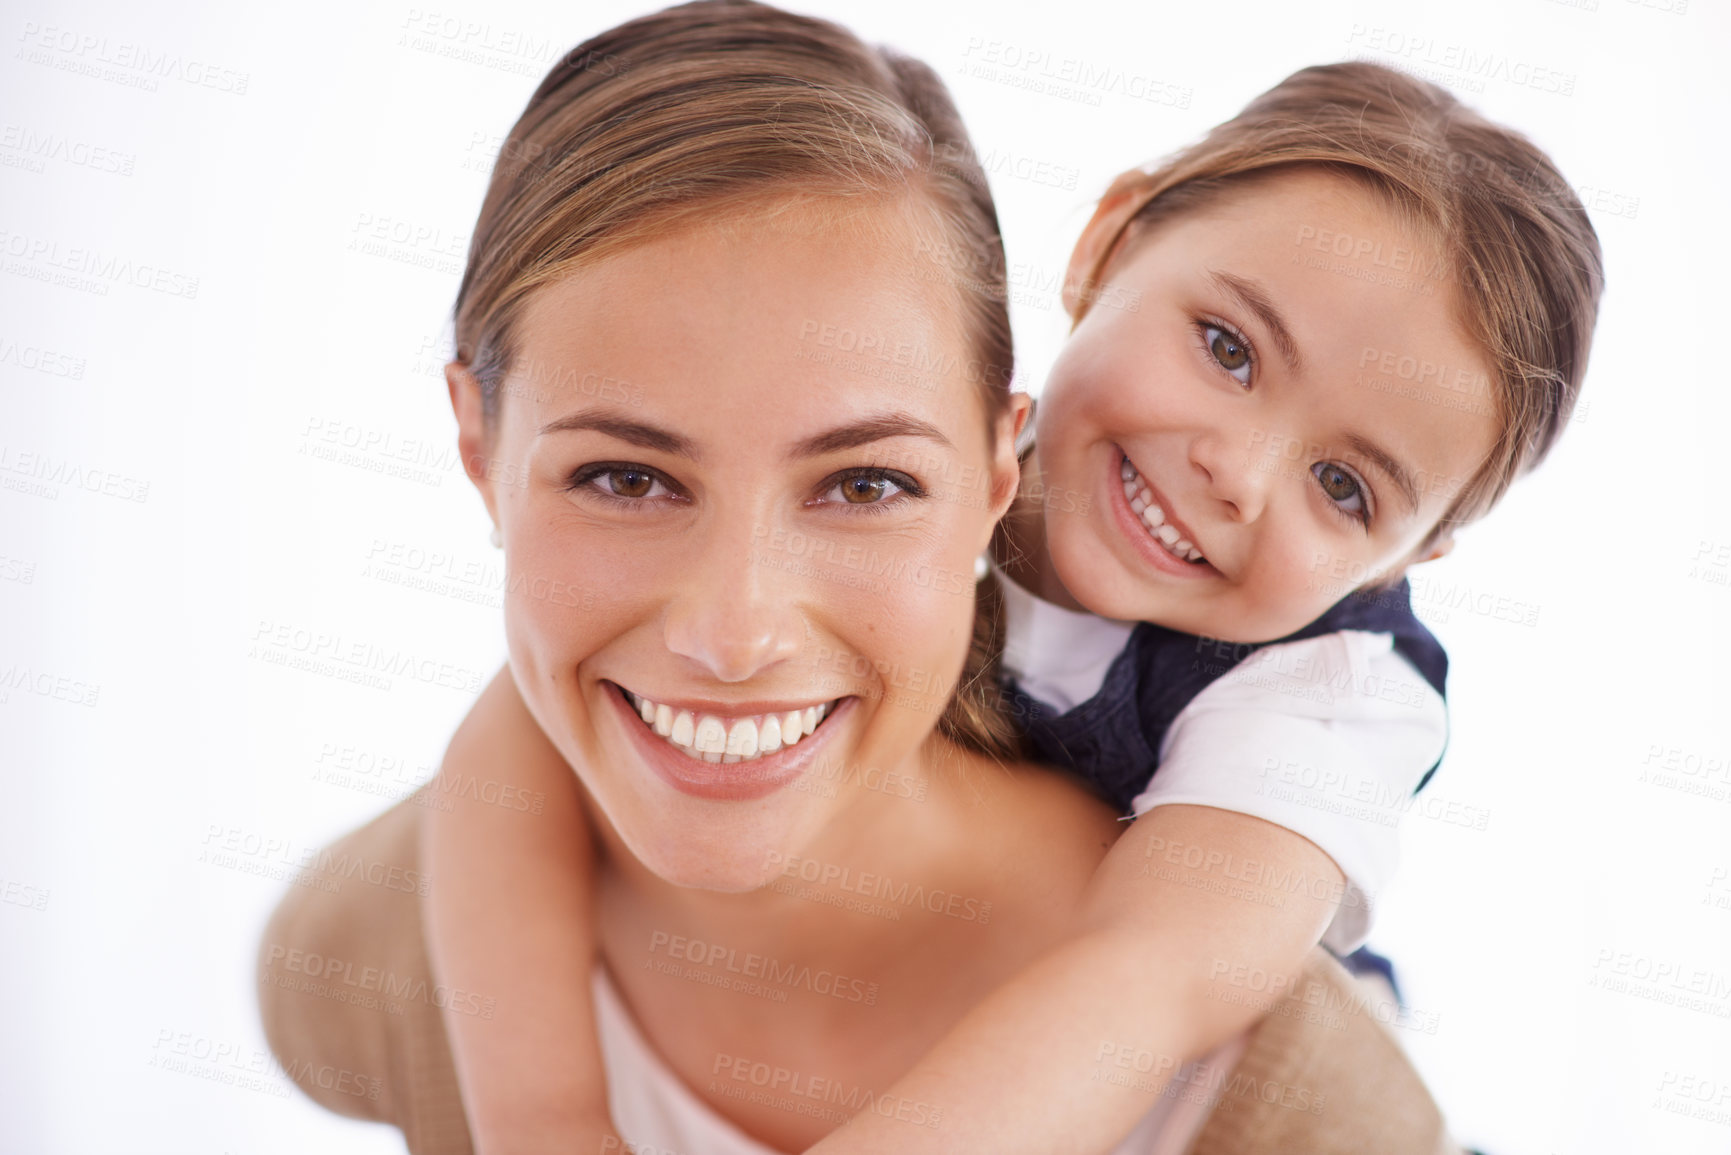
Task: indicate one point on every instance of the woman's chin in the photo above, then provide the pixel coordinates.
(728, 869)
(730, 853)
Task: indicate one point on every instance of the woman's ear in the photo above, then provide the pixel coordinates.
(472, 439)
(1006, 475)
(1102, 233)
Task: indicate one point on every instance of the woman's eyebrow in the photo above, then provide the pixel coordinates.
(851, 436)
(1254, 297)
(639, 433)
(866, 431)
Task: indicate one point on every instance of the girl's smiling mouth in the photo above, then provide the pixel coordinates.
(1161, 540)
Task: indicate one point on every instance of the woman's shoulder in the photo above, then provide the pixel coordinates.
(1042, 819)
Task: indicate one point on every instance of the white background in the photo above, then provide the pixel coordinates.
(1523, 943)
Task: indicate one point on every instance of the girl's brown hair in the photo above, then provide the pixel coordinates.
(711, 108)
(1516, 240)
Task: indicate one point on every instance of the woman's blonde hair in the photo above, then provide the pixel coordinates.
(717, 107)
(1515, 238)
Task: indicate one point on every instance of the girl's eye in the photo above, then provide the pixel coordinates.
(621, 482)
(874, 487)
(1342, 488)
(1230, 350)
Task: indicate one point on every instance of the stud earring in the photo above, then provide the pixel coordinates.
(982, 566)
(497, 540)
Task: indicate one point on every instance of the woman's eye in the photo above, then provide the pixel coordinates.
(864, 490)
(626, 482)
(630, 482)
(1230, 350)
(869, 487)
(1342, 488)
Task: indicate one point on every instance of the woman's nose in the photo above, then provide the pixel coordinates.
(733, 612)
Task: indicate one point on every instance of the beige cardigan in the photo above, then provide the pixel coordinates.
(385, 1056)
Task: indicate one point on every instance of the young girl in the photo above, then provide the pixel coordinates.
(1306, 350)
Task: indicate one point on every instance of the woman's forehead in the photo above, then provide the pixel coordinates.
(775, 319)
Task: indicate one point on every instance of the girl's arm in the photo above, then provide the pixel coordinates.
(1180, 946)
(510, 918)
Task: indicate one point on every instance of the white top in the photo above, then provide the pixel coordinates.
(657, 1114)
(1326, 737)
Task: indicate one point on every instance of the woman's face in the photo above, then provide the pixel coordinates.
(730, 510)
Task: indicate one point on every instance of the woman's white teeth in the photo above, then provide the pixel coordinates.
(742, 739)
(713, 739)
(1153, 517)
(769, 735)
(711, 736)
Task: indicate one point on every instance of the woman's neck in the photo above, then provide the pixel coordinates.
(937, 842)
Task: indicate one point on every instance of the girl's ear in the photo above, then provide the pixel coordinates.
(1102, 233)
(1440, 549)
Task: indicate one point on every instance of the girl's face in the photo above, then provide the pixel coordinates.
(729, 514)
(1270, 403)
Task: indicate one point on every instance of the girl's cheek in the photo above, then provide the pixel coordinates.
(1290, 589)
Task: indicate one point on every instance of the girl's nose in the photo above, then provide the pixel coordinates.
(1233, 471)
(733, 612)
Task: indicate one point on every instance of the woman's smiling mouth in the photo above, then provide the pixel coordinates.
(708, 737)
(712, 761)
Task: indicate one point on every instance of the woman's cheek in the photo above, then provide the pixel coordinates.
(914, 625)
(564, 585)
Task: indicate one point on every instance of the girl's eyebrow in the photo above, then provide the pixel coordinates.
(1253, 296)
(1386, 461)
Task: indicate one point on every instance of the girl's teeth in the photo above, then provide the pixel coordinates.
(1152, 516)
(714, 740)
